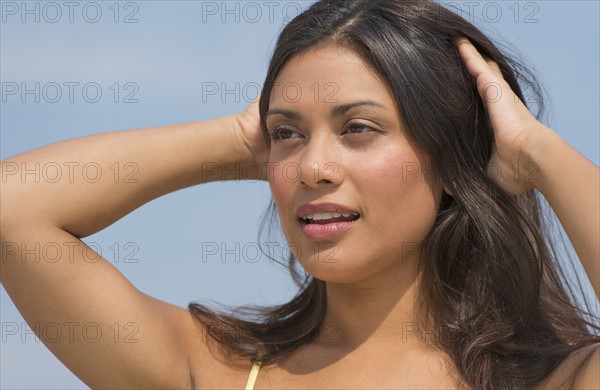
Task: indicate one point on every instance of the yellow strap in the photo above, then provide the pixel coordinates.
(253, 375)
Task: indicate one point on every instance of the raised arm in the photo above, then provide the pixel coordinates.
(571, 184)
(103, 177)
(569, 181)
(118, 337)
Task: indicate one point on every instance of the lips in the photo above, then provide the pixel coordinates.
(326, 221)
(326, 218)
(311, 209)
(324, 213)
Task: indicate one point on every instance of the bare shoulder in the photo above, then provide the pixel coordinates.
(210, 367)
(579, 370)
(588, 375)
(211, 370)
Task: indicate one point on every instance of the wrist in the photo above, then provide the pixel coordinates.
(251, 143)
(240, 157)
(537, 147)
(241, 148)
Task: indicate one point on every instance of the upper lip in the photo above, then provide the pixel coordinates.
(319, 208)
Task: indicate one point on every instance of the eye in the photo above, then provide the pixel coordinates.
(358, 128)
(282, 133)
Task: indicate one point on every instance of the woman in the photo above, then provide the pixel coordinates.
(404, 174)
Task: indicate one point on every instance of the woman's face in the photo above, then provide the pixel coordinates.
(337, 138)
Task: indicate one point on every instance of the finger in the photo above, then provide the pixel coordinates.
(490, 82)
(473, 60)
(477, 64)
(494, 66)
(493, 88)
(473, 55)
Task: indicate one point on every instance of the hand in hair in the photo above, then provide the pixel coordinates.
(250, 133)
(512, 122)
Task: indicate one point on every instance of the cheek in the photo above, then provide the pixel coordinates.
(282, 180)
(392, 173)
(282, 177)
(395, 194)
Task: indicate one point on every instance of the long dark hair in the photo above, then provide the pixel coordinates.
(490, 280)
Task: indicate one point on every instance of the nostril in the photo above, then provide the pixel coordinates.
(325, 181)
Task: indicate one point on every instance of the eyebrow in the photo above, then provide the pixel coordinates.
(336, 111)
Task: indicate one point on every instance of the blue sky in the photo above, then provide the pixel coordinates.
(152, 62)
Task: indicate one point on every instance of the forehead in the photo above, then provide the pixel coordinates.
(328, 74)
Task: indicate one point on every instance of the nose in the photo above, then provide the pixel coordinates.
(319, 166)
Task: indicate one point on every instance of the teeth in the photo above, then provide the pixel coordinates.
(320, 216)
(317, 217)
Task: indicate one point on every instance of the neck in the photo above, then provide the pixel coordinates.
(380, 310)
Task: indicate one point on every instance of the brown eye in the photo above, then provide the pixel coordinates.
(282, 133)
(358, 128)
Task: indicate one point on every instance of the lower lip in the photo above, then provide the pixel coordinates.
(325, 231)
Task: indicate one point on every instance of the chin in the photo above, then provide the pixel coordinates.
(329, 263)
